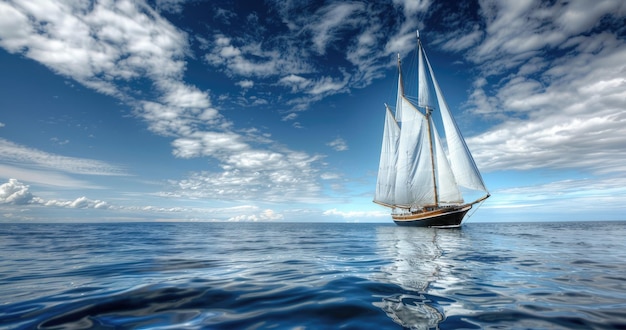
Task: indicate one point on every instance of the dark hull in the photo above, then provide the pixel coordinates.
(449, 217)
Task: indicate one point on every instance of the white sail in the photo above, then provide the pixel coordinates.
(414, 184)
(462, 162)
(447, 189)
(424, 98)
(386, 182)
(399, 95)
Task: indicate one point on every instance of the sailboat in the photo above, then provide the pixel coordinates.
(421, 184)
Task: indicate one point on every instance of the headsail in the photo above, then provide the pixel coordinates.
(463, 165)
(447, 188)
(386, 181)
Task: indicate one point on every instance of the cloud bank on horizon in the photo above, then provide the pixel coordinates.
(548, 92)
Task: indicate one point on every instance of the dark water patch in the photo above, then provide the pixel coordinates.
(339, 302)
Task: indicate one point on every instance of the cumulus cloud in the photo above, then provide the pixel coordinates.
(79, 203)
(15, 192)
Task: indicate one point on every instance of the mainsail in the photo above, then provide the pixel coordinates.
(414, 170)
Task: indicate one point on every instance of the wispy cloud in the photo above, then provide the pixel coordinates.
(12, 153)
(295, 58)
(330, 20)
(563, 111)
(109, 46)
(338, 144)
(356, 214)
(585, 196)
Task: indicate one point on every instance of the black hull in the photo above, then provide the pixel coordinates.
(450, 218)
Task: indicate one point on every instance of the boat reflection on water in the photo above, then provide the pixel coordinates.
(417, 267)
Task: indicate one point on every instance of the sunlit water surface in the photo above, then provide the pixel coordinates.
(312, 276)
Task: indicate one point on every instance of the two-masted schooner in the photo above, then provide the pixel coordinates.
(420, 183)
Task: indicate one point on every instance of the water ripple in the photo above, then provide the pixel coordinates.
(262, 276)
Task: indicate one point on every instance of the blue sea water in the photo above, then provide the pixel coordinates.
(312, 276)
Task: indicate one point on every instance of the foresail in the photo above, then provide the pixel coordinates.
(386, 181)
(447, 189)
(461, 160)
(414, 185)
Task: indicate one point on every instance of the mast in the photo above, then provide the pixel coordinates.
(430, 135)
(432, 155)
(400, 80)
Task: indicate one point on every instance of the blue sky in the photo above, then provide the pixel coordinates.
(172, 110)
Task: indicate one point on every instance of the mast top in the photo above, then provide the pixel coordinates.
(418, 34)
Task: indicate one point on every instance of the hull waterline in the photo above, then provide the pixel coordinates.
(442, 218)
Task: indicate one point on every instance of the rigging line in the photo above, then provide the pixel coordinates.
(476, 209)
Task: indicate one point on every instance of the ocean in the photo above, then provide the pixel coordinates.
(564, 275)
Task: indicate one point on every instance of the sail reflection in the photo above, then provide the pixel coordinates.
(417, 267)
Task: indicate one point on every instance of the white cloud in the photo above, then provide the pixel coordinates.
(291, 116)
(412, 7)
(48, 177)
(174, 6)
(246, 84)
(13, 153)
(255, 175)
(79, 203)
(517, 30)
(355, 214)
(331, 19)
(464, 40)
(295, 82)
(338, 144)
(251, 59)
(215, 144)
(566, 112)
(583, 196)
(328, 85)
(296, 58)
(1, 124)
(265, 215)
(15, 192)
(330, 176)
